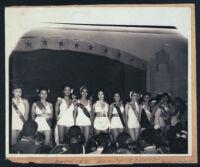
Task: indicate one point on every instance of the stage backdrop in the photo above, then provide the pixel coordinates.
(55, 69)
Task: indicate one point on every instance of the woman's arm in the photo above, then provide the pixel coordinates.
(90, 112)
(93, 114)
(156, 119)
(51, 108)
(110, 111)
(57, 109)
(33, 111)
(126, 112)
(27, 108)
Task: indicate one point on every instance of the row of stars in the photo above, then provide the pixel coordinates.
(61, 44)
(76, 45)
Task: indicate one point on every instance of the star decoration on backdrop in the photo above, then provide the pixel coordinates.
(76, 45)
(44, 42)
(28, 44)
(118, 54)
(105, 50)
(61, 43)
(144, 65)
(91, 47)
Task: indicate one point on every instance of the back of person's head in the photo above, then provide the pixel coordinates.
(103, 139)
(74, 131)
(124, 141)
(75, 135)
(29, 128)
(150, 137)
(39, 138)
(109, 150)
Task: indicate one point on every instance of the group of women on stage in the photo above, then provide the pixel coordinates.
(133, 117)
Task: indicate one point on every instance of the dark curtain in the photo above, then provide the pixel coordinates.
(55, 69)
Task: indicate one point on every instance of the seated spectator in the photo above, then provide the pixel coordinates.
(125, 144)
(109, 149)
(171, 133)
(74, 145)
(101, 141)
(92, 145)
(151, 142)
(39, 139)
(27, 145)
(180, 144)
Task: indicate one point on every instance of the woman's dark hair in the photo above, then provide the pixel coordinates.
(141, 100)
(17, 86)
(117, 93)
(96, 98)
(83, 87)
(42, 88)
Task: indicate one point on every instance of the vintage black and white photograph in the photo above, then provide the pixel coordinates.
(98, 81)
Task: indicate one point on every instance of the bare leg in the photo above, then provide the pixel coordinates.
(120, 130)
(47, 134)
(131, 132)
(137, 132)
(86, 132)
(15, 136)
(116, 132)
(96, 131)
(61, 133)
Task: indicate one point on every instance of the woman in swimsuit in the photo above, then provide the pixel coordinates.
(20, 112)
(132, 115)
(100, 114)
(42, 113)
(65, 111)
(116, 123)
(84, 113)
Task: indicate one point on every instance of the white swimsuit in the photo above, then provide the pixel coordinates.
(132, 118)
(101, 123)
(66, 114)
(41, 121)
(116, 121)
(17, 123)
(82, 119)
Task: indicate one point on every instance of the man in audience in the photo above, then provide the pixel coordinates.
(125, 144)
(74, 143)
(27, 144)
(39, 139)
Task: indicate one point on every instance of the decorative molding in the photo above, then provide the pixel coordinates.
(58, 43)
(162, 57)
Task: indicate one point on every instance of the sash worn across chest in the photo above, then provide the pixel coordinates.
(138, 116)
(43, 110)
(120, 115)
(85, 111)
(18, 112)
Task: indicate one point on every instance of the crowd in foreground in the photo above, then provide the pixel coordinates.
(143, 125)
